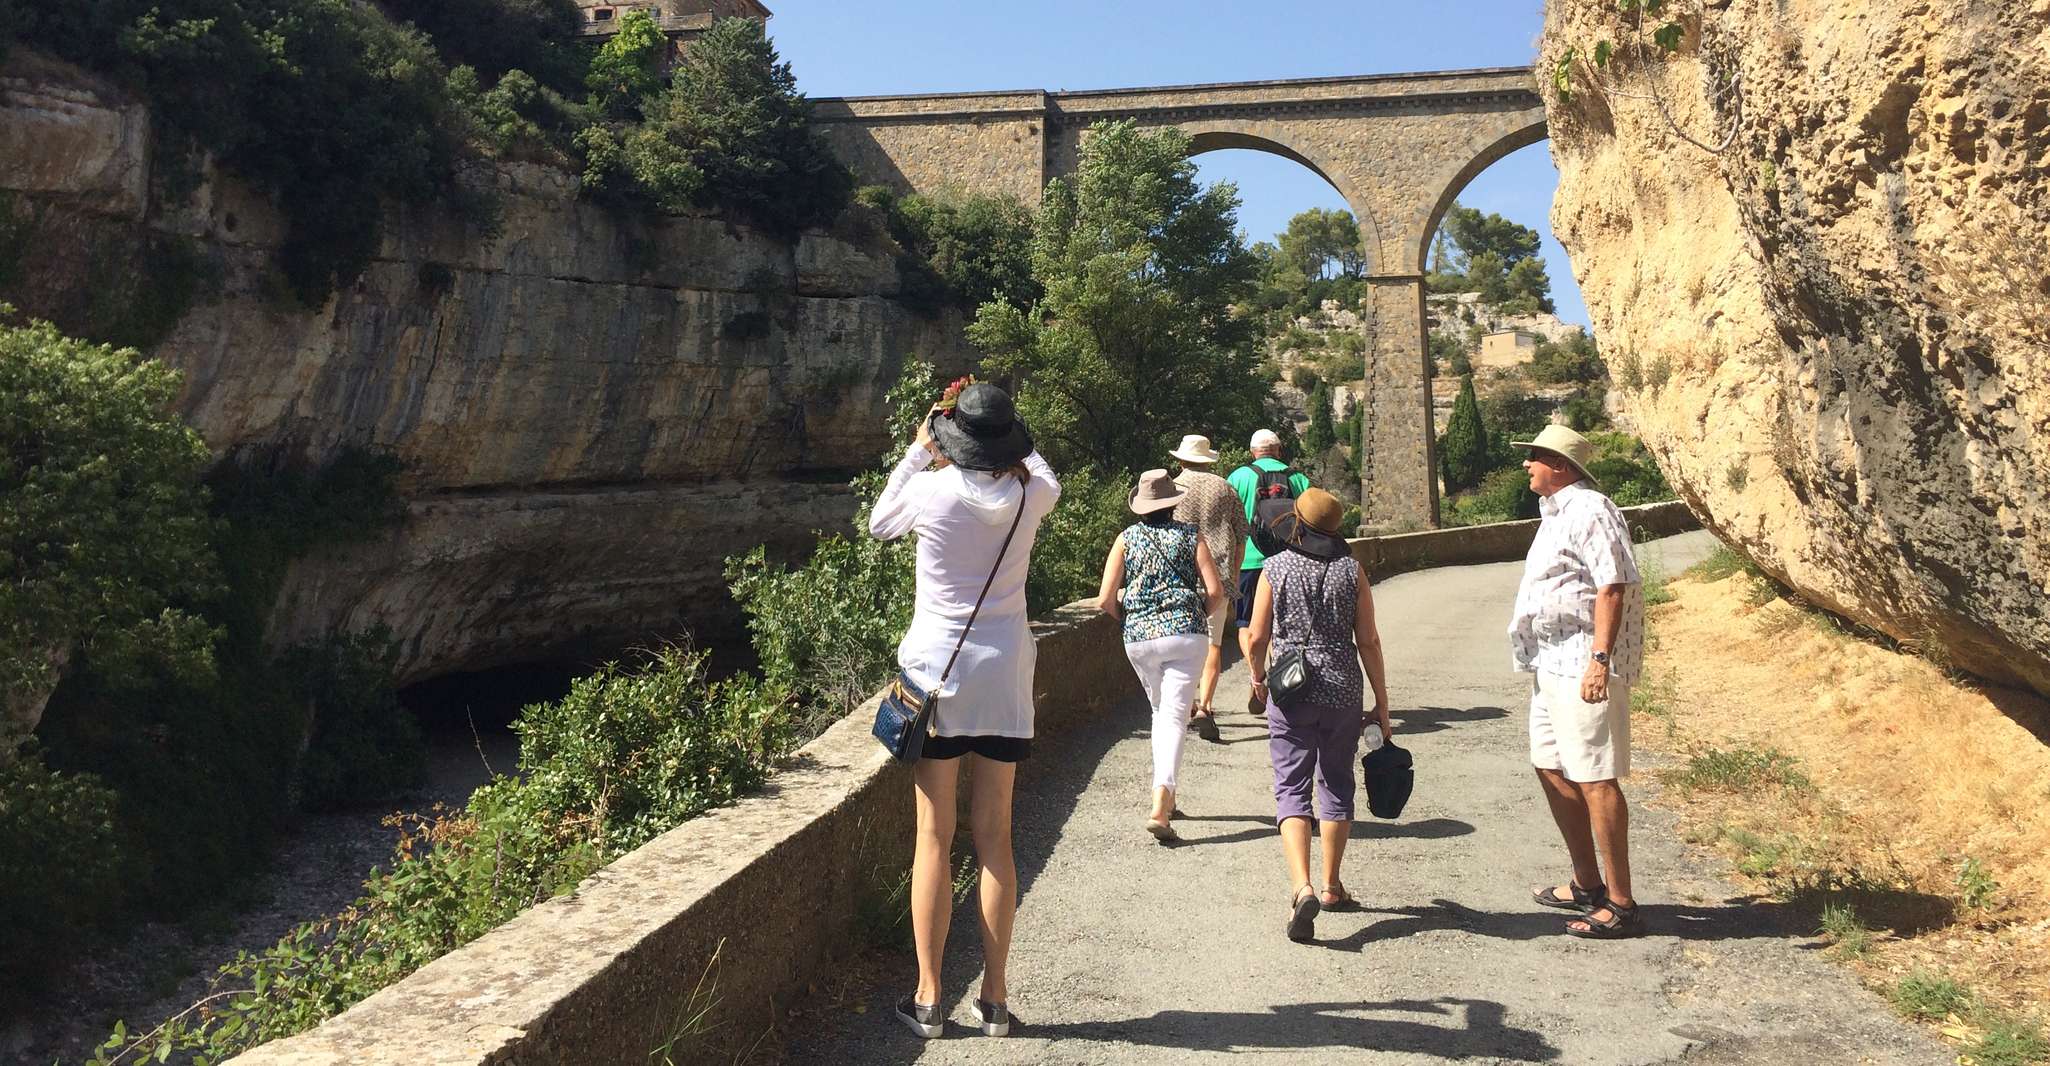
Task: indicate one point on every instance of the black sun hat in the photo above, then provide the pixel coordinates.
(983, 431)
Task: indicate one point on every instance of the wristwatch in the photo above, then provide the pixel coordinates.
(1602, 657)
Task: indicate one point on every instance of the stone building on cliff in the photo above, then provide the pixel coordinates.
(682, 21)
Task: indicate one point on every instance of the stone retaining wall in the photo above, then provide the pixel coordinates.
(1462, 546)
(756, 899)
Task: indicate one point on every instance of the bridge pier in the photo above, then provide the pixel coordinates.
(1398, 472)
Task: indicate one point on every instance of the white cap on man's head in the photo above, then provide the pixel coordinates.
(1265, 438)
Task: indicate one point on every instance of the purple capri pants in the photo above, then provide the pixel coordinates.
(1309, 739)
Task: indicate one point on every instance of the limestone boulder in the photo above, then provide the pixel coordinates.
(1815, 245)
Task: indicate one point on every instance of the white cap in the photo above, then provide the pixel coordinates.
(1265, 438)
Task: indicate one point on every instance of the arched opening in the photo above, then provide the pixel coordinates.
(1314, 252)
(1503, 317)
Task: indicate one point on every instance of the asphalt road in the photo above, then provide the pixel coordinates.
(1130, 952)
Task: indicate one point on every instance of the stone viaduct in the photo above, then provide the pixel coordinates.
(1398, 147)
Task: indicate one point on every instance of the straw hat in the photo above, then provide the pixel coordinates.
(1563, 442)
(1311, 525)
(1195, 448)
(1156, 492)
(983, 432)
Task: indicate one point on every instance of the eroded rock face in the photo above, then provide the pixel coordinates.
(1838, 328)
(594, 410)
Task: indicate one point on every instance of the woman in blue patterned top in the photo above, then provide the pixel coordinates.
(1162, 583)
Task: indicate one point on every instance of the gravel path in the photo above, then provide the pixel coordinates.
(1129, 952)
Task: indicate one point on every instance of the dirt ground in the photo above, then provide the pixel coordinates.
(1840, 772)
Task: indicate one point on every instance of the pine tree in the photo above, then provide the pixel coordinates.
(1321, 435)
(1463, 451)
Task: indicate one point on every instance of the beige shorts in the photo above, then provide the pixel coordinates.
(1584, 741)
(1220, 622)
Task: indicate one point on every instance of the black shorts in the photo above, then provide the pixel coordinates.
(995, 749)
(1249, 583)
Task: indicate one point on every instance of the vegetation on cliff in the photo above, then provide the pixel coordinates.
(131, 642)
(338, 109)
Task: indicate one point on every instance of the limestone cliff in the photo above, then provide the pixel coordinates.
(1838, 327)
(594, 410)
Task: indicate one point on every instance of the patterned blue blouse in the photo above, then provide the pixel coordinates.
(1163, 592)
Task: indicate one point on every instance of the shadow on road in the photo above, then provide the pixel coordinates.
(1438, 719)
(1337, 1025)
(1742, 918)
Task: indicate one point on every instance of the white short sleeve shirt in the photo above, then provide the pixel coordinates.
(1582, 546)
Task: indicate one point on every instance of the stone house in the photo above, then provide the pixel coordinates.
(1506, 348)
(682, 21)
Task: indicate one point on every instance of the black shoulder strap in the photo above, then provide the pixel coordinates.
(1015, 519)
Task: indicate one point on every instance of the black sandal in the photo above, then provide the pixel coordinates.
(1584, 899)
(1302, 915)
(1621, 924)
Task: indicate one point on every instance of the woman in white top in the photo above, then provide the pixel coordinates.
(986, 485)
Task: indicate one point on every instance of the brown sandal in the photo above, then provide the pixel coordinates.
(1344, 901)
(1583, 899)
(1302, 915)
(1621, 924)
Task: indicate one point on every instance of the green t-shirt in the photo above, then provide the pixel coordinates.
(1243, 481)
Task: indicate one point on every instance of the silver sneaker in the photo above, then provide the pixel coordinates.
(993, 1017)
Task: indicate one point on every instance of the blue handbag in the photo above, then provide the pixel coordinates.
(905, 717)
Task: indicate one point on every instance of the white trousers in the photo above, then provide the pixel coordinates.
(1168, 668)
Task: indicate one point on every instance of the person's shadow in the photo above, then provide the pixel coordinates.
(1334, 1025)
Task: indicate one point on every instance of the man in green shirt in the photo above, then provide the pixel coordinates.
(1247, 481)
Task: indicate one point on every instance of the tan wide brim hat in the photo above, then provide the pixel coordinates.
(1311, 525)
(1195, 448)
(1156, 492)
(1562, 441)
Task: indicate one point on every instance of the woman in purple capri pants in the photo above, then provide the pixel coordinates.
(1313, 598)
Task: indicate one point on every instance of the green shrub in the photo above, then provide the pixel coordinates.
(828, 630)
(103, 524)
(63, 861)
(1742, 770)
(364, 748)
(1927, 997)
(1503, 496)
(1067, 557)
(626, 755)
(961, 251)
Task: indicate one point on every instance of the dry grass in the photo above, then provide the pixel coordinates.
(1866, 780)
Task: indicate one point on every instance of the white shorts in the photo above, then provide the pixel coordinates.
(1585, 741)
(1220, 621)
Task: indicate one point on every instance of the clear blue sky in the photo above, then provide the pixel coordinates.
(850, 47)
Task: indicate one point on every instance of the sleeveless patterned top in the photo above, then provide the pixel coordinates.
(1316, 604)
(1163, 591)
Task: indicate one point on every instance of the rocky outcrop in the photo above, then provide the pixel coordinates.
(594, 410)
(1835, 332)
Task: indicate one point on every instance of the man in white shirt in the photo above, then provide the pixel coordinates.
(1579, 629)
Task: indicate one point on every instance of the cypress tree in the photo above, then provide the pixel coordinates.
(1321, 435)
(1463, 451)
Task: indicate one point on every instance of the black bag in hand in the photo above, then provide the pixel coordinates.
(1390, 774)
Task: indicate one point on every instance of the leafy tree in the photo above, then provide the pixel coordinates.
(1321, 435)
(1319, 242)
(1136, 339)
(626, 71)
(103, 523)
(1463, 452)
(495, 37)
(1528, 281)
(1448, 355)
(733, 132)
(1474, 233)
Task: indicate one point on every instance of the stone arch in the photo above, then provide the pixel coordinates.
(1220, 136)
(1492, 153)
